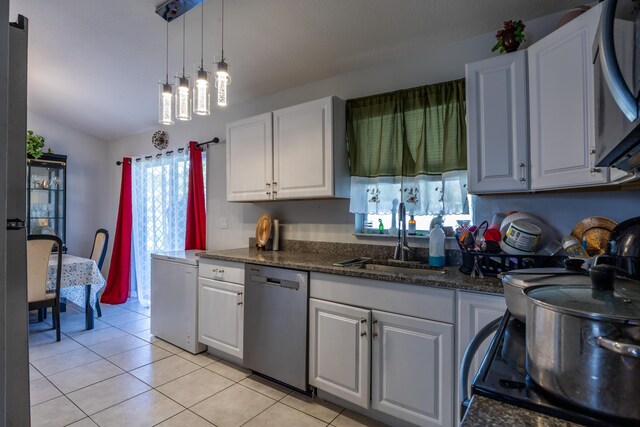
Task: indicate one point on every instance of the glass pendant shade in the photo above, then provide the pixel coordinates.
(183, 99)
(202, 93)
(222, 81)
(165, 110)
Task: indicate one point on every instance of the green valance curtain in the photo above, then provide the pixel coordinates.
(417, 131)
(409, 146)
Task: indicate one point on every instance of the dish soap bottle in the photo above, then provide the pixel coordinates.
(436, 247)
(412, 226)
(380, 226)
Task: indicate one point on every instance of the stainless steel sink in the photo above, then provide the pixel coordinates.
(418, 271)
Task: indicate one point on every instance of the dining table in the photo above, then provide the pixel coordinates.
(80, 282)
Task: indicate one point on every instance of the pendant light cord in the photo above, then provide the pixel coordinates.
(167, 58)
(222, 26)
(184, 29)
(202, 36)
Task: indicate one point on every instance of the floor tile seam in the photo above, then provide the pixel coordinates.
(264, 394)
(117, 403)
(249, 420)
(57, 354)
(120, 352)
(143, 365)
(133, 397)
(160, 385)
(66, 397)
(189, 407)
(311, 415)
(97, 382)
(178, 354)
(186, 410)
(65, 370)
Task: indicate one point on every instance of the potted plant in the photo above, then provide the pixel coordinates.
(509, 37)
(35, 144)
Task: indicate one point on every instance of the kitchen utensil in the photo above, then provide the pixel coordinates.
(263, 230)
(522, 235)
(596, 231)
(548, 233)
(624, 246)
(583, 343)
(515, 282)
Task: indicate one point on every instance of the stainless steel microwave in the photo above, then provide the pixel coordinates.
(617, 80)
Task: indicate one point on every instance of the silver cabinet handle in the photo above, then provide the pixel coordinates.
(374, 333)
(522, 173)
(363, 332)
(621, 348)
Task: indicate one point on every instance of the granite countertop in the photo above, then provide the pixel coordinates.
(323, 262)
(484, 411)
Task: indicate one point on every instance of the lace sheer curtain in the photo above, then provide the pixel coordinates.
(160, 188)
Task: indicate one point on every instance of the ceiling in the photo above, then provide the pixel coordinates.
(95, 65)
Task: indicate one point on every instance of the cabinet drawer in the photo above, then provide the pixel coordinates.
(411, 300)
(226, 271)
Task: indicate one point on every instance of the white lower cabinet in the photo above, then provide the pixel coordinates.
(221, 315)
(474, 312)
(399, 365)
(412, 369)
(339, 345)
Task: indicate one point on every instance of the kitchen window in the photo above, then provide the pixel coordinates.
(409, 146)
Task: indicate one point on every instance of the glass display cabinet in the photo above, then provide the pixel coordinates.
(47, 195)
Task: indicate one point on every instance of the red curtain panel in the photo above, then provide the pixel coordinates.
(118, 282)
(196, 213)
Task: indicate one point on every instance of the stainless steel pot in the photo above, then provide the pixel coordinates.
(515, 282)
(583, 343)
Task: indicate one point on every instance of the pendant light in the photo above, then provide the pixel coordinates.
(165, 110)
(202, 89)
(222, 71)
(183, 95)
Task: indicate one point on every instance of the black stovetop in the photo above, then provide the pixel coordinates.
(503, 376)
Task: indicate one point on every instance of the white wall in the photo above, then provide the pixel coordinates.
(87, 178)
(306, 220)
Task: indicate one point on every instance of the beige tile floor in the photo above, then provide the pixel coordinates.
(120, 375)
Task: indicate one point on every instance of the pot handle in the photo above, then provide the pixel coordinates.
(621, 348)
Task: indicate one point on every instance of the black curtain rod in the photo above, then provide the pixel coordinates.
(170, 152)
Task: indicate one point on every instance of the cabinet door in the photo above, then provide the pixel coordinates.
(562, 121)
(339, 350)
(498, 133)
(303, 150)
(412, 369)
(221, 315)
(474, 312)
(250, 159)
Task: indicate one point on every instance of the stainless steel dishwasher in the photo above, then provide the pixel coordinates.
(275, 323)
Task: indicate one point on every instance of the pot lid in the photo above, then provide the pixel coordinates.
(619, 305)
(545, 276)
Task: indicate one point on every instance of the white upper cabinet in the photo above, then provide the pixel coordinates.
(561, 92)
(298, 152)
(250, 159)
(309, 150)
(497, 120)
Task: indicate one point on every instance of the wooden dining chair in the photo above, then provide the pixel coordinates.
(39, 248)
(98, 253)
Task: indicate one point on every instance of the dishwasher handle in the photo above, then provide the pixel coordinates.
(272, 281)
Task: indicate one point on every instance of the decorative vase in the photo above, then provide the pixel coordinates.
(509, 42)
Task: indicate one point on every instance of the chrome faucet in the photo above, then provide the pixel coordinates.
(402, 247)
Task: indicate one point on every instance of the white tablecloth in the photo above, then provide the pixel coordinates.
(77, 272)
